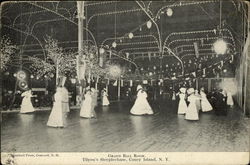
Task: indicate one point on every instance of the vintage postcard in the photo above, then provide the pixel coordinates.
(125, 82)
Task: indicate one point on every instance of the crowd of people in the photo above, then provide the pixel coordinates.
(197, 100)
(191, 102)
(60, 108)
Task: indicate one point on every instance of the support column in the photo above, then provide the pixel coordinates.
(209, 84)
(57, 71)
(80, 14)
(119, 88)
(107, 88)
(197, 84)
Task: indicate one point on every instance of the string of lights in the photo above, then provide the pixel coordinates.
(130, 36)
(197, 32)
(99, 3)
(195, 39)
(28, 34)
(111, 13)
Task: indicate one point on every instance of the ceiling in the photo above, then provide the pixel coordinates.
(28, 23)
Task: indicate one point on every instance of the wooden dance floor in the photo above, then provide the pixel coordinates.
(116, 130)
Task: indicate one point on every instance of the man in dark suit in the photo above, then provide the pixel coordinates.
(220, 103)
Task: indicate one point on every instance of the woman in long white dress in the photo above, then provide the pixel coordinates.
(57, 116)
(192, 112)
(182, 108)
(198, 101)
(65, 99)
(94, 98)
(26, 106)
(230, 101)
(205, 105)
(87, 110)
(105, 100)
(141, 105)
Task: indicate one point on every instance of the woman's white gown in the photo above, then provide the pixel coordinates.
(94, 95)
(205, 105)
(141, 105)
(57, 116)
(230, 99)
(198, 102)
(182, 108)
(26, 106)
(86, 108)
(192, 112)
(65, 99)
(105, 100)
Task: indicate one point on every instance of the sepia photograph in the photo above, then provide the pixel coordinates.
(125, 82)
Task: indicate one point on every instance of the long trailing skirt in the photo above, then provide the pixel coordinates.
(57, 116)
(141, 107)
(26, 106)
(192, 113)
(105, 100)
(205, 105)
(198, 104)
(182, 108)
(230, 100)
(87, 110)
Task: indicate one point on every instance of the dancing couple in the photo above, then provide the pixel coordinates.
(196, 101)
(60, 108)
(89, 103)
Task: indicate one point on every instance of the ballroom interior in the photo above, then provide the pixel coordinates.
(114, 47)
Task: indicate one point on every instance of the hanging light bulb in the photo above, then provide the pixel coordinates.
(169, 12)
(149, 24)
(140, 29)
(130, 35)
(101, 50)
(114, 44)
(127, 55)
(220, 46)
(215, 31)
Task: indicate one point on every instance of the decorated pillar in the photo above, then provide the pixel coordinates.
(79, 68)
(119, 88)
(57, 71)
(209, 84)
(197, 84)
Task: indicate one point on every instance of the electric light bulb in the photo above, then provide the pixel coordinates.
(149, 24)
(101, 50)
(114, 44)
(131, 35)
(169, 12)
(220, 46)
